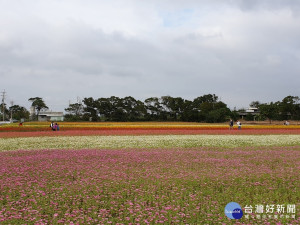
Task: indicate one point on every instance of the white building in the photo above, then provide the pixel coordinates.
(252, 110)
(249, 111)
(51, 116)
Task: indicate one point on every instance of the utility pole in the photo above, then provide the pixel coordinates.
(3, 107)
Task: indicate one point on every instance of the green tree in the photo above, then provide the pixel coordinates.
(210, 98)
(118, 112)
(39, 104)
(134, 109)
(90, 110)
(218, 115)
(173, 106)
(209, 109)
(6, 112)
(154, 108)
(270, 111)
(255, 104)
(288, 107)
(234, 115)
(19, 112)
(74, 112)
(188, 114)
(104, 107)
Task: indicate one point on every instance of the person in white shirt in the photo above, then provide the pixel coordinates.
(239, 124)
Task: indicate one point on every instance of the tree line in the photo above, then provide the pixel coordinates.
(287, 109)
(206, 108)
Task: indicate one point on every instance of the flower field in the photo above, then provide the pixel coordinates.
(147, 142)
(34, 129)
(93, 177)
(138, 126)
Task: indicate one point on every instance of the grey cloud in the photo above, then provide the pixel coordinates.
(267, 4)
(245, 58)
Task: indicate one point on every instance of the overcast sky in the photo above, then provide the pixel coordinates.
(240, 50)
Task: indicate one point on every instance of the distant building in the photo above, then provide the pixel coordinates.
(51, 116)
(252, 111)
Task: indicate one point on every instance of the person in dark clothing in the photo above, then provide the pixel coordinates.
(230, 124)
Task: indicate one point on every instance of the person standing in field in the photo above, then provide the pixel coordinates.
(239, 125)
(52, 125)
(230, 124)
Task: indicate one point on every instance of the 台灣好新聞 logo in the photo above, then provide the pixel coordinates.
(233, 210)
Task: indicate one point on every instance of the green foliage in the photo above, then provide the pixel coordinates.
(90, 110)
(234, 115)
(270, 111)
(249, 117)
(72, 118)
(218, 115)
(19, 112)
(206, 108)
(166, 108)
(75, 112)
(255, 104)
(289, 108)
(38, 103)
(6, 112)
(75, 109)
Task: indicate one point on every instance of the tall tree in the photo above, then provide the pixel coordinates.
(104, 107)
(288, 107)
(188, 113)
(210, 98)
(270, 111)
(118, 112)
(255, 104)
(173, 106)
(153, 107)
(19, 112)
(6, 112)
(134, 109)
(38, 104)
(75, 111)
(90, 109)
(209, 109)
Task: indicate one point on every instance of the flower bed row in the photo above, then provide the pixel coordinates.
(136, 186)
(147, 142)
(123, 132)
(42, 126)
